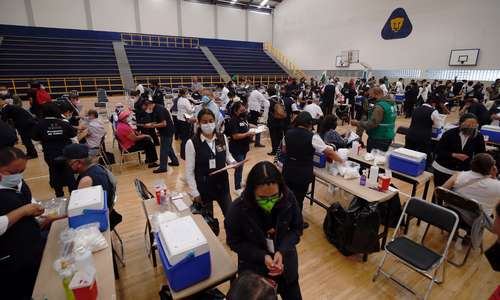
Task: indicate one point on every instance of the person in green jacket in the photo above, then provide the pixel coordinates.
(381, 122)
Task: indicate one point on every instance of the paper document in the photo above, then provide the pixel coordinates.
(353, 136)
(259, 129)
(229, 167)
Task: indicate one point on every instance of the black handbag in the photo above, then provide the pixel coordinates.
(354, 230)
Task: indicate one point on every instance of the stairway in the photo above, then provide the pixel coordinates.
(292, 69)
(215, 63)
(123, 65)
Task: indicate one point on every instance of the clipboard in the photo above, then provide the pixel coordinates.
(233, 166)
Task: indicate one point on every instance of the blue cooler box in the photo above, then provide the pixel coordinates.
(184, 252)
(359, 100)
(436, 132)
(319, 160)
(87, 206)
(491, 132)
(399, 97)
(407, 161)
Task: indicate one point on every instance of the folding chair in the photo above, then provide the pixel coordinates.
(121, 256)
(145, 194)
(101, 153)
(452, 201)
(124, 152)
(416, 256)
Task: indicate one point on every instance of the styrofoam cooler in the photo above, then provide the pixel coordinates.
(88, 205)
(407, 161)
(491, 133)
(184, 252)
(319, 160)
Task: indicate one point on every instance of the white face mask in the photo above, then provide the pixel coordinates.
(4, 92)
(149, 110)
(208, 128)
(11, 181)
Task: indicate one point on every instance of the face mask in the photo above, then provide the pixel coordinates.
(11, 181)
(149, 111)
(3, 93)
(469, 131)
(243, 115)
(267, 204)
(208, 128)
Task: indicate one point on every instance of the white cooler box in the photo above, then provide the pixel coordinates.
(407, 161)
(86, 206)
(184, 252)
(491, 133)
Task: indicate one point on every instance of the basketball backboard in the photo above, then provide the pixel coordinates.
(463, 57)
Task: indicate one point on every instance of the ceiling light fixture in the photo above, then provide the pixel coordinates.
(264, 2)
(234, 1)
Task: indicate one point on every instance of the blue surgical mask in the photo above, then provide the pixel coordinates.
(11, 181)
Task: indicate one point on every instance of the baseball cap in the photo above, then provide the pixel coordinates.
(74, 151)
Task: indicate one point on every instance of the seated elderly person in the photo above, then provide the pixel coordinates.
(480, 184)
(132, 141)
(94, 131)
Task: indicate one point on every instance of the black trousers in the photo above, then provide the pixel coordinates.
(152, 133)
(223, 199)
(289, 290)
(382, 145)
(185, 131)
(276, 133)
(299, 190)
(420, 146)
(149, 149)
(408, 106)
(26, 134)
(253, 118)
(60, 175)
(176, 127)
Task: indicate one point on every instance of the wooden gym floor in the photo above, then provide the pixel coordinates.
(325, 274)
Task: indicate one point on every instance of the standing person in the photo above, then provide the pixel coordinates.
(256, 104)
(23, 121)
(157, 93)
(400, 87)
(423, 93)
(21, 245)
(276, 121)
(456, 148)
(206, 152)
(380, 125)
(300, 144)
(163, 123)
(240, 138)
(37, 96)
(382, 85)
(328, 98)
(264, 226)
(54, 134)
(132, 141)
(143, 117)
(411, 96)
(419, 134)
(10, 97)
(349, 95)
(184, 127)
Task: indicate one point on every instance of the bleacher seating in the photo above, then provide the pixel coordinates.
(23, 56)
(246, 61)
(163, 61)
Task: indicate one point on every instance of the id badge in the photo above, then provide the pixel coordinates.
(211, 163)
(270, 245)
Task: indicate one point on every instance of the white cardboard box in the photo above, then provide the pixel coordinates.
(181, 237)
(87, 198)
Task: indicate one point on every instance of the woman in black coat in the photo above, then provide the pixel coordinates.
(263, 226)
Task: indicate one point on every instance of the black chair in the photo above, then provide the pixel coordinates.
(415, 255)
(145, 194)
(452, 201)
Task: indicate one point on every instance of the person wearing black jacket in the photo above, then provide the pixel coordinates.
(349, 95)
(8, 135)
(328, 99)
(24, 123)
(456, 148)
(21, 246)
(157, 93)
(263, 227)
(411, 94)
(276, 126)
(54, 134)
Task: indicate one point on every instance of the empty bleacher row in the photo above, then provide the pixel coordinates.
(245, 61)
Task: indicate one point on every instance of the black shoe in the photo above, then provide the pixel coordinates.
(259, 146)
(157, 171)
(153, 165)
(173, 165)
(305, 225)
